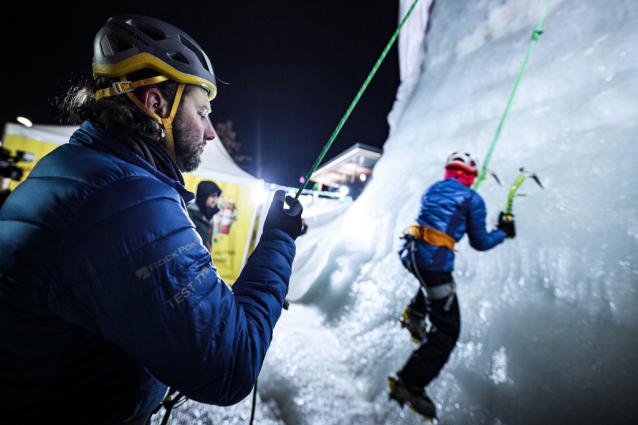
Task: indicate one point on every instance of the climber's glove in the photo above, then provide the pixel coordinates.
(506, 225)
(286, 220)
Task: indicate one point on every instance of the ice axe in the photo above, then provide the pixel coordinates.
(495, 177)
(517, 183)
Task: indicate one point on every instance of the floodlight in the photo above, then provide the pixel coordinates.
(259, 195)
(24, 121)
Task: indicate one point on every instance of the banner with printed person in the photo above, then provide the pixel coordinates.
(228, 211)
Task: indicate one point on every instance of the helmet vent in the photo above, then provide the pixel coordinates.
(122, 46)
(177, 56)
(196, 50)
(150, 31)
(105, 44)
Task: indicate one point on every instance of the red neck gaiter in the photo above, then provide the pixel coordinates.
(466, 178)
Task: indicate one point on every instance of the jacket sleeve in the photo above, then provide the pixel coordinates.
(139, 275)
(480, 238)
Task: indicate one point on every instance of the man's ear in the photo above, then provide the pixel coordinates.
(153, 100)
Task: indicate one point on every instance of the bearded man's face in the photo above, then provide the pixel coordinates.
(192, 129)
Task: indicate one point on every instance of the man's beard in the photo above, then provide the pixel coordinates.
(187, 145)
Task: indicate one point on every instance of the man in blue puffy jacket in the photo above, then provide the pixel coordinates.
(449, 209)
(107, 295)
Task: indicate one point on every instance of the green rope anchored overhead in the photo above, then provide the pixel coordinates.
(537, 32)
(354, 102)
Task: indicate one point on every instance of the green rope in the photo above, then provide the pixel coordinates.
(252, 414)
(537, 32)
(354, 102)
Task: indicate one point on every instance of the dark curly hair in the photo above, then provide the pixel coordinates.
(117, 114)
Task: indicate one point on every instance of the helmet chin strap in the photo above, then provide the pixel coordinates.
(127, 87)
(165, 123)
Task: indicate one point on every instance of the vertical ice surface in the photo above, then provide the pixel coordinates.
(412, 49)
(549, 323)
(549, 320)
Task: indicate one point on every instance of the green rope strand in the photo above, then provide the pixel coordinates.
(537, 32)
(354, 102)
(252, 414)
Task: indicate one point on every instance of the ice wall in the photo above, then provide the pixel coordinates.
(549, 322)
(412, 50)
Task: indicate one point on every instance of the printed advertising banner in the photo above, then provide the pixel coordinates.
(18, 143)
(230, 228)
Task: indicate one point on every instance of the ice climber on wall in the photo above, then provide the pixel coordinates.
(449, 209)
(107, 295)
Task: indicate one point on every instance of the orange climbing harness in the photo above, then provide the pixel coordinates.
(432, 236)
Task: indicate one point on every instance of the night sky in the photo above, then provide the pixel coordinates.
(292, 68)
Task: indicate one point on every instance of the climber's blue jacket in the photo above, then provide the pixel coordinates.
(455, 209)
(107, 295)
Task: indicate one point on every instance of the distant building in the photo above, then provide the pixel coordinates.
(352, 169)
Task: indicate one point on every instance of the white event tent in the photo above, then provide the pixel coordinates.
(217, 163)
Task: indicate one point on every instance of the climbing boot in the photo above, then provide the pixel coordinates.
(416, 398)
(415, 323)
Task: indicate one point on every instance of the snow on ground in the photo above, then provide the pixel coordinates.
(549, 324)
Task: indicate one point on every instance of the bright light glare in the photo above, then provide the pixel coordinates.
(259, 195)
(304, 200)
(24, 121)
(363, 177)
(343, 190)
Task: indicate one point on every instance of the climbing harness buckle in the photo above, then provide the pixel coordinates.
(118, 87)
(440, 292)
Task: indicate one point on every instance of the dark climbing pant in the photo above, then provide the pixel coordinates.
(427, 361)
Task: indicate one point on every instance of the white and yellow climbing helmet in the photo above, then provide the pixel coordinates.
(129, 43)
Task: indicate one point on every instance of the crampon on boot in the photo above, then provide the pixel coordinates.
(415, 323)
(414, 397)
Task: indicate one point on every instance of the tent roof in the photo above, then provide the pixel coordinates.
(347, 166)
(54, 134)
(217, 164)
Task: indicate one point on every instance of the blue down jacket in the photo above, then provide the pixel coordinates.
(453, 208)
(107, 295)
